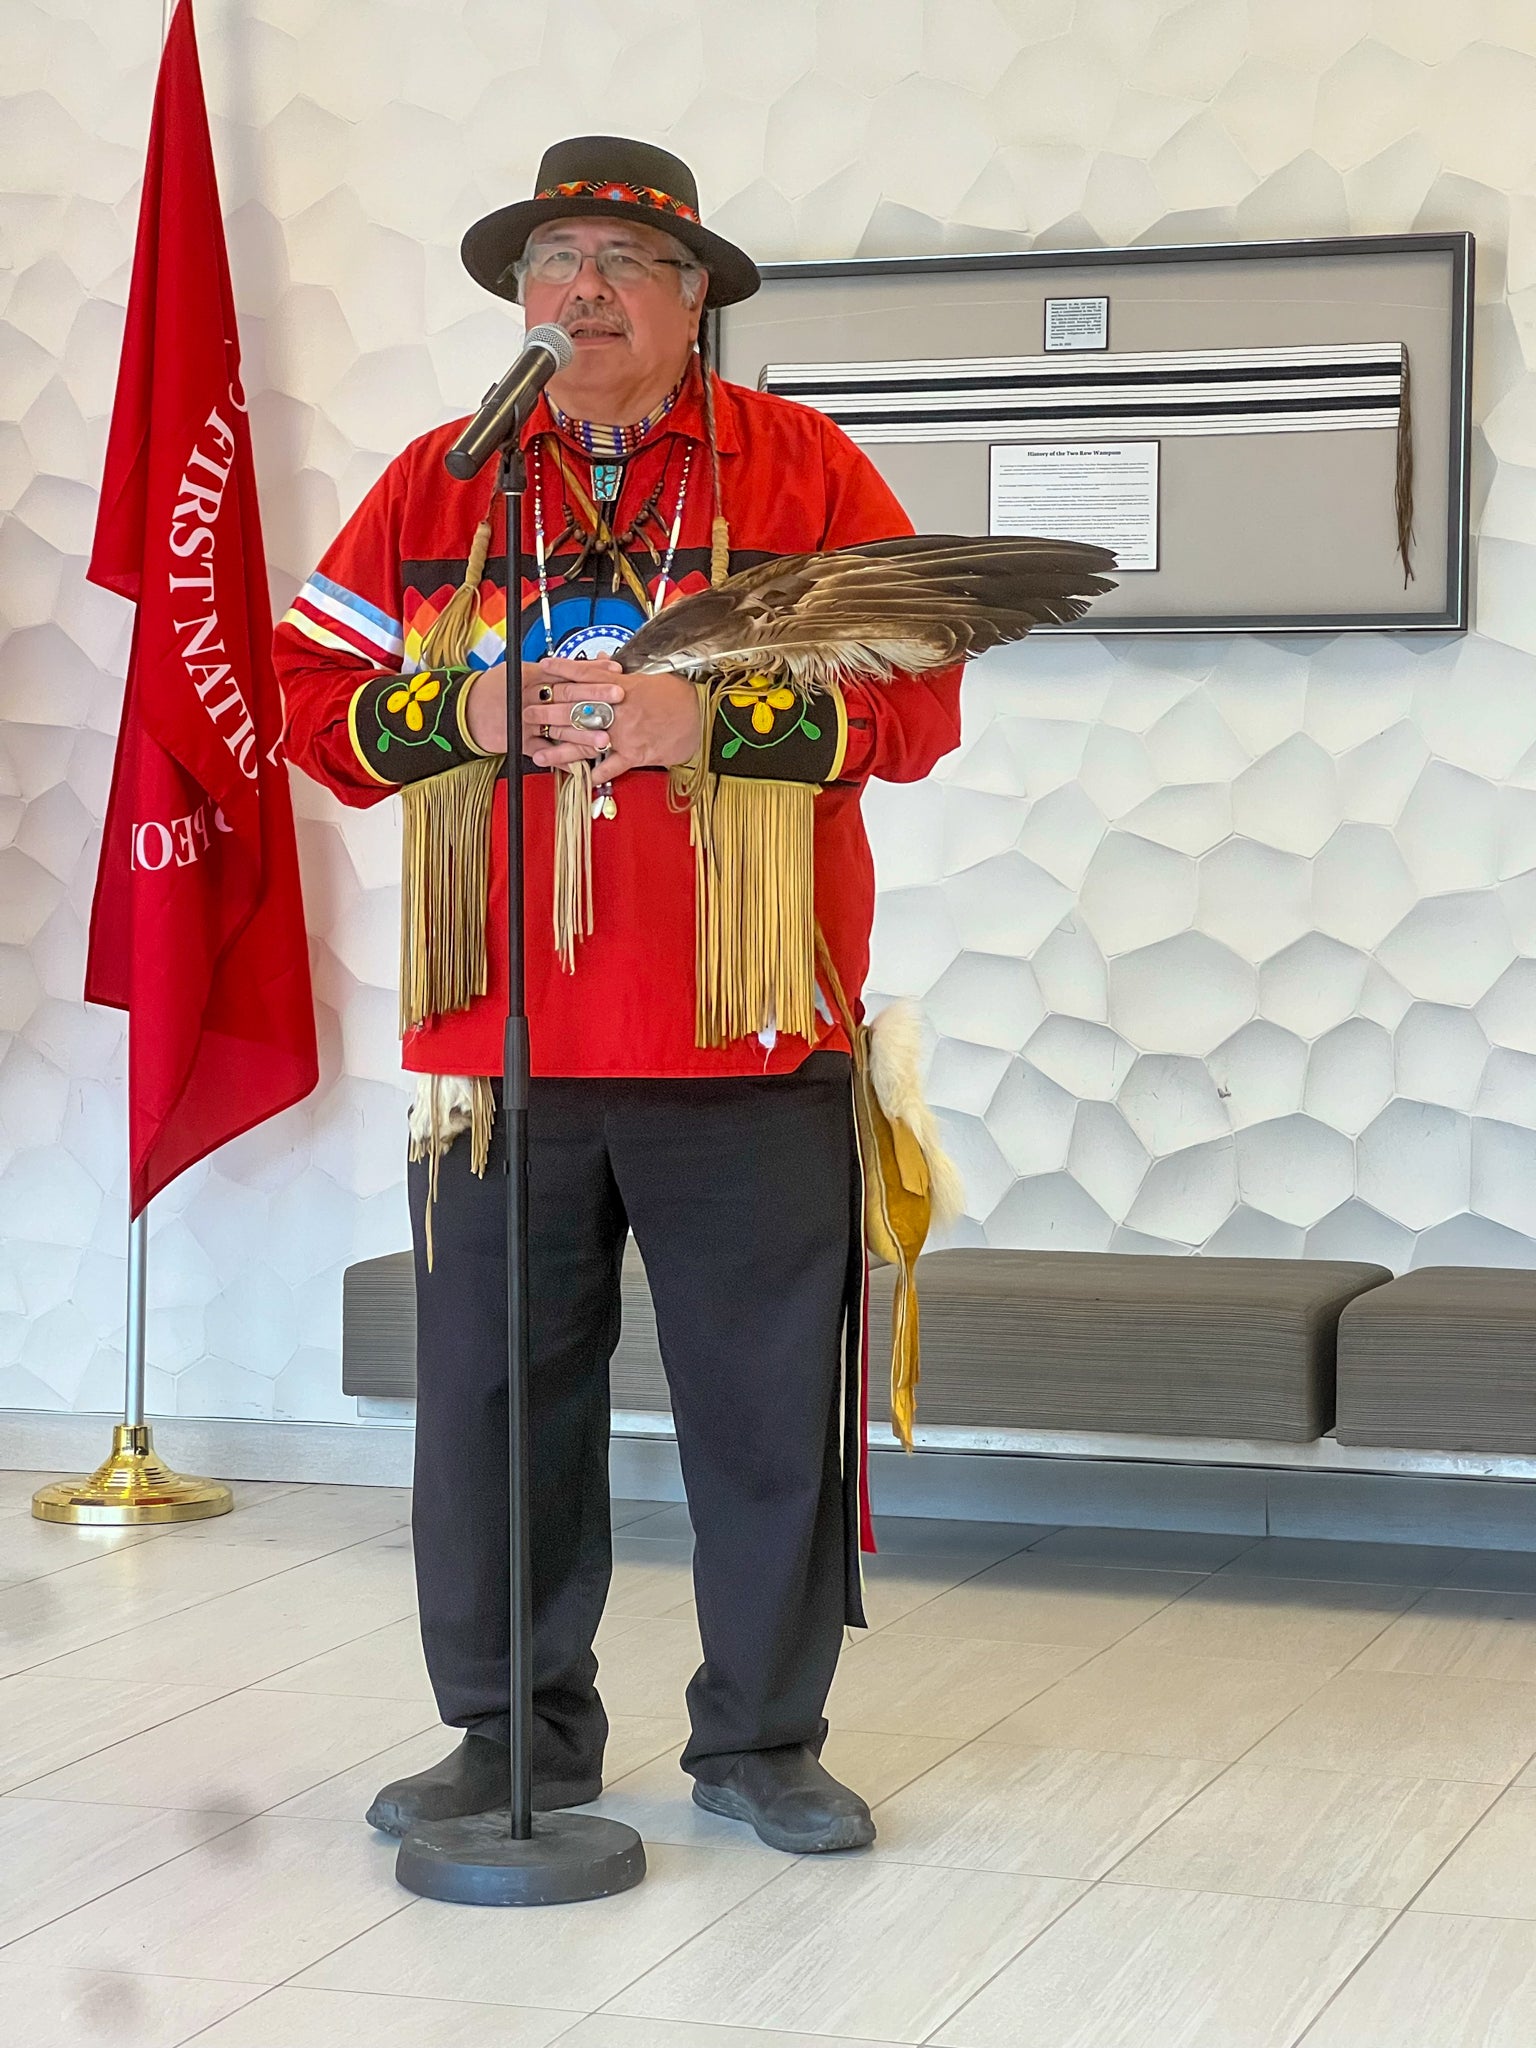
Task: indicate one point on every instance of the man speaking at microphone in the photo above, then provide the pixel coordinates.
(734, 1163)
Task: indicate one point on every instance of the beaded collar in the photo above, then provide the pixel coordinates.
(612, 444)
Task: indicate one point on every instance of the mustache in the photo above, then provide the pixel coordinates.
(584, 313)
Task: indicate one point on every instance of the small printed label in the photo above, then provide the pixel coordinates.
(1076, 323)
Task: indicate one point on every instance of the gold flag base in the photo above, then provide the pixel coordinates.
(133, 1485)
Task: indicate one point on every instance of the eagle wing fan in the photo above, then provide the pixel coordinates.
(918, 602)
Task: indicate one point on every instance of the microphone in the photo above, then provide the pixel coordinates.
(505, 406)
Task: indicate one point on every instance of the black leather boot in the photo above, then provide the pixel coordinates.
(474, 1778)
(791, 1801)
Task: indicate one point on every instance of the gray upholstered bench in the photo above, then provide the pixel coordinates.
(1094, 1341)
(1068, 1341)
(1442, 1359)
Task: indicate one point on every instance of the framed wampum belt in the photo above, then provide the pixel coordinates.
(1304, 409)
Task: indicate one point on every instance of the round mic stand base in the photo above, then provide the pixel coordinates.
(475, 1861)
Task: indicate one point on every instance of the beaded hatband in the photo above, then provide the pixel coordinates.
(625, 195)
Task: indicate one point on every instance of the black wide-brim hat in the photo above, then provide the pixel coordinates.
(608, 174)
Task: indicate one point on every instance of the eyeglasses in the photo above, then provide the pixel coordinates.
(560, 265)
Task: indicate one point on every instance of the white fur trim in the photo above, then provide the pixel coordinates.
(895, 1069)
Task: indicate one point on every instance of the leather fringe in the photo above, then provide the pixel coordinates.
(446, 843)
(445, 875)
(754, 857)
(754, 876)
(572, 904)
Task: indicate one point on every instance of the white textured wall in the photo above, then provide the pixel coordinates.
(1228, 944)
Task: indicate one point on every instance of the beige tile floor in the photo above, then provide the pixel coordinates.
(1135, 1789)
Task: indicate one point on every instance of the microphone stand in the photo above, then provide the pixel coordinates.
(517, 1857)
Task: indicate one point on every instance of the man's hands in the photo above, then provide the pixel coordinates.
(657, 725)
(550, 688)
(656, 722)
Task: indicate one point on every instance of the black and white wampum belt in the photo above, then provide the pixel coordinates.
(1329, 388)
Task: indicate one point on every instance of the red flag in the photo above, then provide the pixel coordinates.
(197, 929)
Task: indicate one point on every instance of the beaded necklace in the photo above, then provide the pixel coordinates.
(604, 804)
(608, 443)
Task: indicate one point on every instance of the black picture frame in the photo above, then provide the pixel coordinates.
(1458, 246)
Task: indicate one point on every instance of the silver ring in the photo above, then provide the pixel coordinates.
(592, 717)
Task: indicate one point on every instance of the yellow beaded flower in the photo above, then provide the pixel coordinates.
(765, 697)
(418, 691)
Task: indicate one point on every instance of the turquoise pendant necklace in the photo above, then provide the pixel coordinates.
(604, 803)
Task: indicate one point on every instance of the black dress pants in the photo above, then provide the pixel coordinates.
(740, 1194)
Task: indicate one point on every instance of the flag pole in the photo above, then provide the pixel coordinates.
(133, 1484)
(138, 1264)
(236, 938)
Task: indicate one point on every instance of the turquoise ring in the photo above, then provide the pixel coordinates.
(592, 717)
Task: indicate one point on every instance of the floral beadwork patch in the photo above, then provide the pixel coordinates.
(765, 700)
(765, 727)
(410, 714)
(407, 726)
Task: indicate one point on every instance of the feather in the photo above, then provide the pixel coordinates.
(920, 602)
(443, 1109)
(446, 1106)
(895, 1069)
